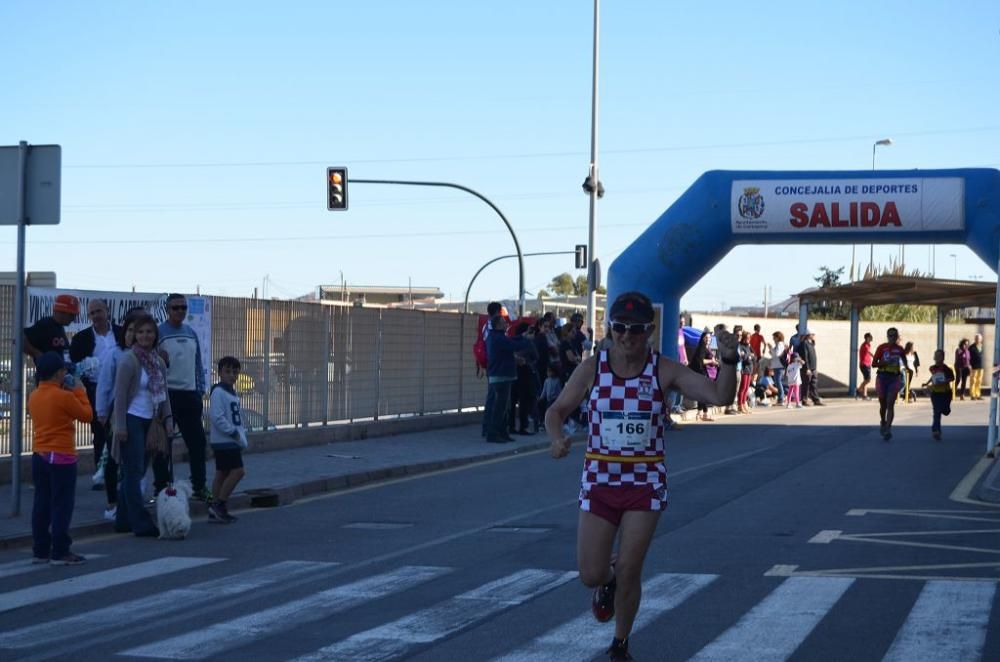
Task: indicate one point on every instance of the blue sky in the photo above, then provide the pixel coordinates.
(195, 135)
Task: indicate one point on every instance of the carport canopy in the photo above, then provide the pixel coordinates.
(892, 289)
(889, 289)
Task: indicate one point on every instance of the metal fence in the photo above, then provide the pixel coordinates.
(310, 364)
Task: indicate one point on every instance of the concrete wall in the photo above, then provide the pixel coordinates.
(833, 341)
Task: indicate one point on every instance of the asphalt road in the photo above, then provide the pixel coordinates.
(790, 535)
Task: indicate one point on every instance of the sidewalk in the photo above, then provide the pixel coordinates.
(281, 477)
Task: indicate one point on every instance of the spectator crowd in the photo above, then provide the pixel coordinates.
(528, 366)
(138, 386)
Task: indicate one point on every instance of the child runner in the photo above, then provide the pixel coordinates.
(889, 359)
(624, 483)
(228, 437)
(940, 383)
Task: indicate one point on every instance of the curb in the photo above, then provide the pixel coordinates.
(988, 489)
(284, 495)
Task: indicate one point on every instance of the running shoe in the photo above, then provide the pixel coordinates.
(618, 651)
(39, 560)
(887, 435)
(68, 559)
(111, 513)
(936, 434)
(603, 602)
(216, 513)
(226, 516)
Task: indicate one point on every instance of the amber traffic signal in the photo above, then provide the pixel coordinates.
(336, 189)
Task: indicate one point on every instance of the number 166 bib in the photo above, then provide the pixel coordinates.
(626, 430)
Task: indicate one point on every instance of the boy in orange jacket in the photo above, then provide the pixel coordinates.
(55, 406)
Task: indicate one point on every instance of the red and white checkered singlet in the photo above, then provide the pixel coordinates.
(619, 407)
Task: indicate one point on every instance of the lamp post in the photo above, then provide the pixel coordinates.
(594, 189)
(885, 142)
(955, 262)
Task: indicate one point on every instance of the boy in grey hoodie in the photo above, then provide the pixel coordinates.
(228, 437)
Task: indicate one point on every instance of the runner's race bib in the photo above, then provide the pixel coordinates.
(626, 430)
(939, 378)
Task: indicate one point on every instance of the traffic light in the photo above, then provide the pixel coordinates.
(336, 189)
(581, 256)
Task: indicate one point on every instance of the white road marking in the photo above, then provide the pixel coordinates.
(969, 515)
(910, 543)
(825, 537)
(579, 639)
(396, 639)
(99, 580)
(26, 566)
(886, 572)
(963, 491)
(781, 571)
(221, 637)
(776, 626)
(949, 532)
(948, 622)
(133, 611)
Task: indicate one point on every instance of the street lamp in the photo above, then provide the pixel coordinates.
(595, 190)
(885, 142)
(955, 262)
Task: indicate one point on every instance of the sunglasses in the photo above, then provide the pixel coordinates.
(178, 307)
(634, 329)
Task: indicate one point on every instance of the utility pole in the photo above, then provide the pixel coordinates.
(765, 301)
(592, 185)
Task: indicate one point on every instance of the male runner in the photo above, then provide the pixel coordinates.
(624, 484)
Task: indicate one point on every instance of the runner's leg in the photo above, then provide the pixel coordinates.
(890, 401)
(595, 537)
(880, 391)
(637, 530)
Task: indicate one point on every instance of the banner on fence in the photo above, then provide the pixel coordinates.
(199, 316)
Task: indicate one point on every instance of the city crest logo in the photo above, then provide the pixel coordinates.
(751, 203)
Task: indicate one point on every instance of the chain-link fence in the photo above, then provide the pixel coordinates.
(310, 364)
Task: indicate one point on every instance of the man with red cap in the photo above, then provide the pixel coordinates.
(49, 333)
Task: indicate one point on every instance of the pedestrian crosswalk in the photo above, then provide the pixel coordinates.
(309, 610)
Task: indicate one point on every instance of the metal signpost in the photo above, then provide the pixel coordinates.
(30, 182)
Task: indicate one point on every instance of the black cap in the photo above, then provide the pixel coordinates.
(48, 364)
(633, 307)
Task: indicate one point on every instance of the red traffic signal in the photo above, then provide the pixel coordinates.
(336, 189)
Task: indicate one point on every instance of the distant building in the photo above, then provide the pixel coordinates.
(32, 278)
(786, 308)
(377, 295)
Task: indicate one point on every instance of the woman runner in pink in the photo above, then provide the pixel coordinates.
(624, 483)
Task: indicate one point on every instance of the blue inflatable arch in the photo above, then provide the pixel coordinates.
(723, 209)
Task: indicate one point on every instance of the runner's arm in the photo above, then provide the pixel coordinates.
(572, 395)
(699, 387)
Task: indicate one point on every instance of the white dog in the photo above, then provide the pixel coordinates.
(173, 515)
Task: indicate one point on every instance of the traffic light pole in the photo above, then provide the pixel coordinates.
(517, 244)
(465, 307)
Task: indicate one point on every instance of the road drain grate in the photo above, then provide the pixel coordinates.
(378, 526)
(519, 529)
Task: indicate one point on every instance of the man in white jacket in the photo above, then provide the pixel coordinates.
(228, 437)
